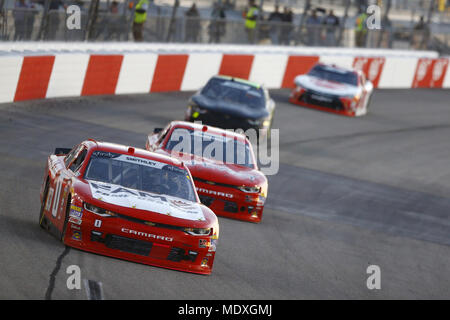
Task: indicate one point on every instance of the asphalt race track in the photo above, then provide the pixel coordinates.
(349, 193)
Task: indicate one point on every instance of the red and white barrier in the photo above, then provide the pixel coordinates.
(67, 70)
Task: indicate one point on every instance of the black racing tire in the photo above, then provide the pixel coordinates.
(66, 219)
(368, 103)
(42, 221)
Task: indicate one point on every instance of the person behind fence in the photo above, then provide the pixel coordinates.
(192, 24)
(420, 34)
(275, 20)
(114, 22)
(287, 27)
(313, 28)
(331, 23)
(22, 18)
(251, 17)
(140, 16)
(217, 25)
(53, 20)
(360, 28)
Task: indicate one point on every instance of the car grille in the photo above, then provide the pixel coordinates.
(207, 201)
(178, 254)
(322, 100)
(224, 121)
(230, 207)
(142, 248)
(128, 245)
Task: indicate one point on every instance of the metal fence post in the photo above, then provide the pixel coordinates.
(343, 22)
(92, 19)
(172, 21)
(44, 21)
(427, 31)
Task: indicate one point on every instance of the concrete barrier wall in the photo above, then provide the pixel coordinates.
(48, 70)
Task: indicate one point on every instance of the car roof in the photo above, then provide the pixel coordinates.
(132, 151)
(337, 68)
(209, 129)
(247, 82)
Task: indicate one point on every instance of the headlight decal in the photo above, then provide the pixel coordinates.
(98, 211)
(247, 189)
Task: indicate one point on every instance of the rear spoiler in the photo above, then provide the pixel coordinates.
(62, 151)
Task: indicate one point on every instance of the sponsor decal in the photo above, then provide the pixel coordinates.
(74, 226)
(76, 212)
(75, 220)
(203, 243)
(212, 245)
(76, 235)
(146, 235)
(430, 73)
(372, 67)
(204, 262)
(216, 193)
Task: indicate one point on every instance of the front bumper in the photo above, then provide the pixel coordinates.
(230, 202)
(322, 102)
(119, 238)
(224, 121)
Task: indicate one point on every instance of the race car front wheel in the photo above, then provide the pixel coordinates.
(42, 220)
(66, 219)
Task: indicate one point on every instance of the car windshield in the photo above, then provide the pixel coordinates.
(140, 174)
(332, 74)
(210, 146)
(234, 92)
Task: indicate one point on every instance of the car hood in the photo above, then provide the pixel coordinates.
(231, 108)
(325, 86)
(144, 205)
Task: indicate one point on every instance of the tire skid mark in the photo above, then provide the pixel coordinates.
(51, 283)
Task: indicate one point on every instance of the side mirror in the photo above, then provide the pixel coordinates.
(157, 130)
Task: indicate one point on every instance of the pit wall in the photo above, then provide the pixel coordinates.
(48, 70)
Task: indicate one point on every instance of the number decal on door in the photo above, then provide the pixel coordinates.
(48, 200)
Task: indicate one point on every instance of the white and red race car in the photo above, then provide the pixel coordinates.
(333, 89)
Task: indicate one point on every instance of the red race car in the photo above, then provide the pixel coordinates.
(130, 204)
(333, 89)
(223, 166)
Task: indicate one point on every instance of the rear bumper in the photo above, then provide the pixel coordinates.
(118, 238)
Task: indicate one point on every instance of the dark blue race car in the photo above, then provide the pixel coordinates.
(232, 103)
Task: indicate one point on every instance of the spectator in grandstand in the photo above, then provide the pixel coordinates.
(114, 22)
(251, 17)
(361, 28)
(275, 19)
(421, 34)
(23, 20)
(216, 28)
(53, 20)
(331, 23)
(286, 29)
(192, 26)
(313, 27)
(140, 16)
